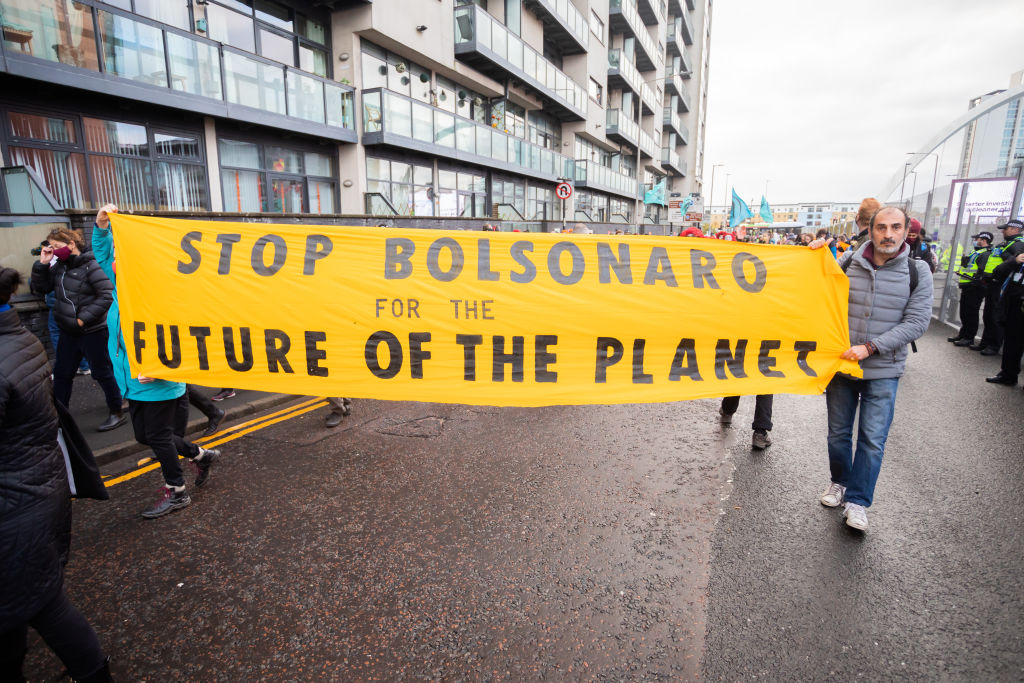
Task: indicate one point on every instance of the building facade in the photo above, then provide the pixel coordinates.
(395, 108)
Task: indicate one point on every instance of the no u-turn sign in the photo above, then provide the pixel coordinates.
(563, 190)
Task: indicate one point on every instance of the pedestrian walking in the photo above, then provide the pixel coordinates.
(762, 424)
(340, 409)
(889, 308)
(82, 295)
(918, 249)
(974, 272)
(158, 408)
(214, 415)
(35, 511)
(869, 206)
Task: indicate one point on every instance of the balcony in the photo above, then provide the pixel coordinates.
(648, 148)
(621, 128)
(564, 25)
(648, 11)
(670, 161)
(685, 27)
(591, 175)
(680, 96)
(624, 18)
(488, 46)
(687, 66)
(674, 40)
(154, 63)
(622, 74)
(672, 122)
(398, 121)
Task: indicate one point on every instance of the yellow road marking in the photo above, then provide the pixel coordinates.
(258, 419)
(294, 411)
(204, 440)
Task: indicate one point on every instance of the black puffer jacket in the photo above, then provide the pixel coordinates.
(82, 291)
(35, 501)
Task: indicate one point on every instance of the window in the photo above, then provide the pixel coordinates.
(408, 186)
(597, 26)
(591, 206)
(59, 31)
(272, 30)
(509, 194)
(258, 178)
(461, 193)
(514, 16)
(542, 205)
(596, 91)
(384, 69)
(545, 131)
(132, 165)
(509, 117)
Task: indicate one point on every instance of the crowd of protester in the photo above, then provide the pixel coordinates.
(889, 261)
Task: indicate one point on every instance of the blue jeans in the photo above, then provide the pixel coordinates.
(876, 399)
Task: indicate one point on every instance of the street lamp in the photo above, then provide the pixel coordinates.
(904, 181)
(935, 175)
(711, 193)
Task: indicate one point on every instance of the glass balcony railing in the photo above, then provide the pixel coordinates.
(571, 19)
(671, 119)
(618, 61)
(617, 122)
(675, 42)
(647, 145)
(593, 175)
(687, 66)
(131, 48)
(627, 8)
(685, 27)
(477, 32)
(444, 133)
(670, 158)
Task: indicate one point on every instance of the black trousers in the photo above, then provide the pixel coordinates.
(762, 410)
(161, 426)
(201, 401)
(971, 299)
(70, 350)
(64, 630)
(992, 335)
(1013, 339)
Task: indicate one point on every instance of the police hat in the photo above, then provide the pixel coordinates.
(985, 235)
(1012, 224)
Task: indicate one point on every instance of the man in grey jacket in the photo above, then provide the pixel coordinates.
(886, 314)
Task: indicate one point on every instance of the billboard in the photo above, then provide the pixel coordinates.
(685, 209)
(988, 200)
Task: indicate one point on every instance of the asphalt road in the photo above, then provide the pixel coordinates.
(423, 541)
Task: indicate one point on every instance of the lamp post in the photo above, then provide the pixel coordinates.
(913, 188)
(711, 193)
(931, 194)
(904, 181)
(725, 202)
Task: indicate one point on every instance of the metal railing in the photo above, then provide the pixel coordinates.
(133, 48)
(385, 111)
(475, 26)
(378, 205)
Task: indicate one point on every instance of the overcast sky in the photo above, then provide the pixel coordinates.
(822, 99)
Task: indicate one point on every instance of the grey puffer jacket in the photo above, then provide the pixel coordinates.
(35, 502)
(881, 312)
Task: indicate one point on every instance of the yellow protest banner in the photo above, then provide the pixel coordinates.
(507, 319)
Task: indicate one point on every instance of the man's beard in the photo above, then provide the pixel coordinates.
(888, 248)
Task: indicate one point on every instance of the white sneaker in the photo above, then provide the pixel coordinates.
(833, 495)
(856, 516)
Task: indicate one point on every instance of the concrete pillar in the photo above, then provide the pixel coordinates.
(213, 164)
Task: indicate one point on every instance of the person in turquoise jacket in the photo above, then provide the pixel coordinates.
(158, 408)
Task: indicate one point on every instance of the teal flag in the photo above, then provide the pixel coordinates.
(656, 195)
(739, 211)
(766, 211)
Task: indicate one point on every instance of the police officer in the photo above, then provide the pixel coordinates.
(973, 272)
(1009, 276)
(1013, 244)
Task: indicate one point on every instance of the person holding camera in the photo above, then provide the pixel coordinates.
(83, 294)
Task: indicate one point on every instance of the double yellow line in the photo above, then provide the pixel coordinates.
(232, 433)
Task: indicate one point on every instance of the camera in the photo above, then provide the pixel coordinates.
(36, 251)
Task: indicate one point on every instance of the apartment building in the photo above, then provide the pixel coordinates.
(410, 109)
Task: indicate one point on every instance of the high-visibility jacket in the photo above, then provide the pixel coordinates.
(976, 265)
(945, 261)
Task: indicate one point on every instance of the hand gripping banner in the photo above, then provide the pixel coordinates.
(505, 319)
